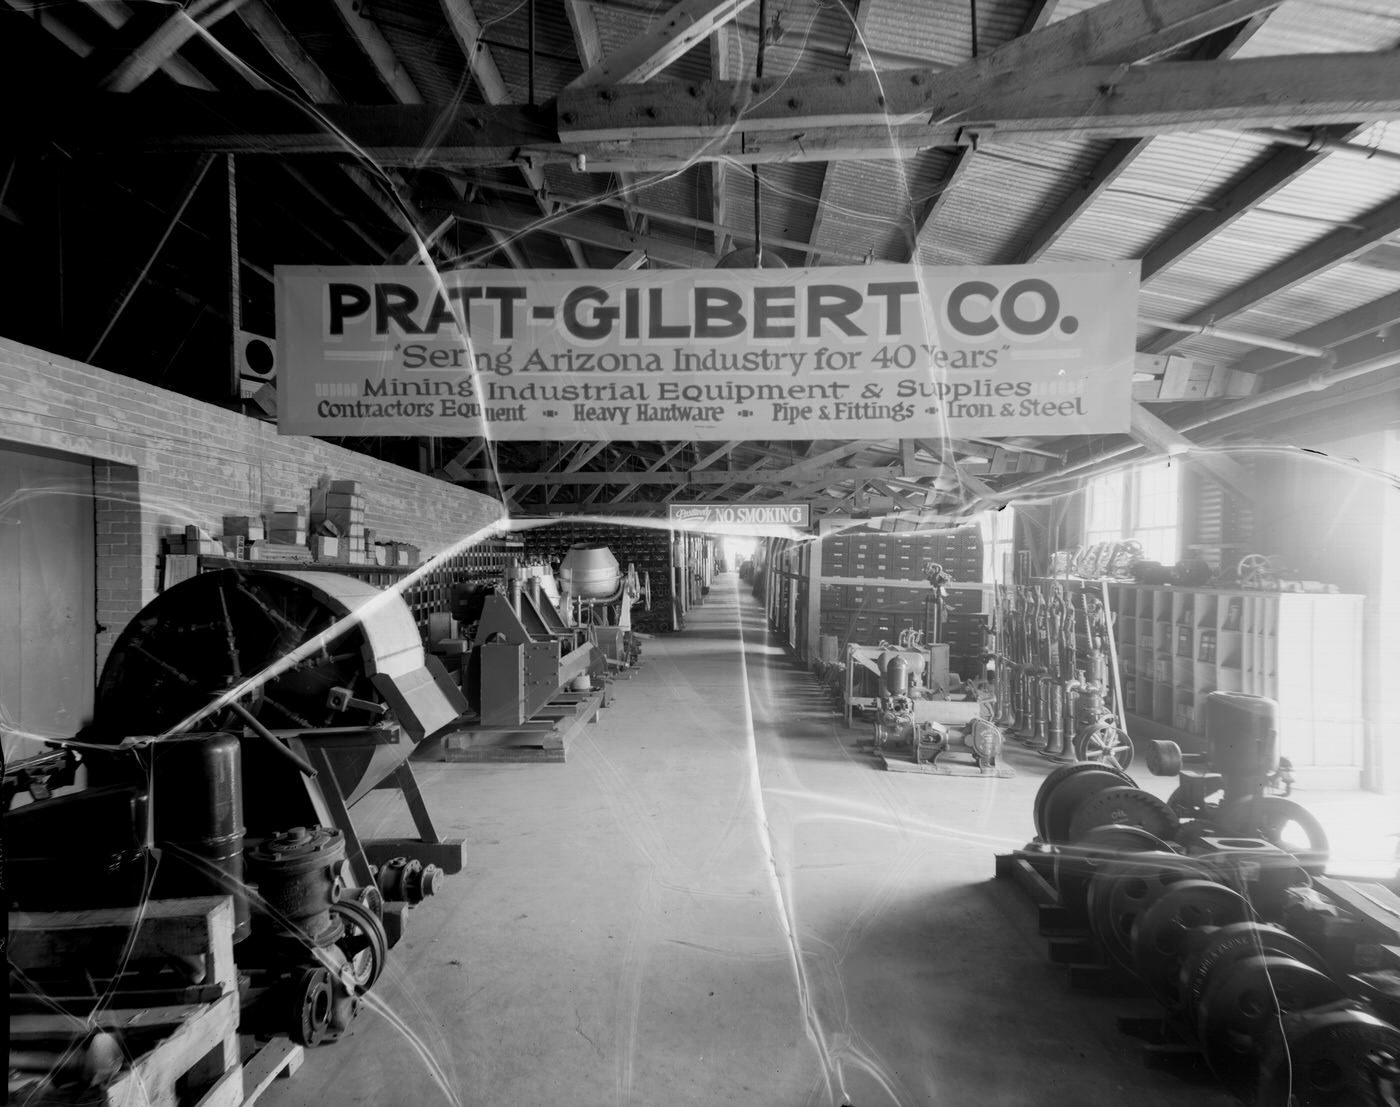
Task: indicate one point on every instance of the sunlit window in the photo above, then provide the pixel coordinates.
(1142, 503)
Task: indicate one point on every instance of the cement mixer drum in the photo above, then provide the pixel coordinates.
(590, 572)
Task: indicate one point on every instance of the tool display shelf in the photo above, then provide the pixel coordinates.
(1176, 645)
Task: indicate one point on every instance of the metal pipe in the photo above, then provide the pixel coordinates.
(1318, 144)
(1211, 330)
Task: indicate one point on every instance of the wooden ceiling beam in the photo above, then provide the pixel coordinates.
(589, 45)
(467, 30)
(961, 166)
(1161, 438)
(1118, 158)
(1342, 245)
(161, 45)
(652, 468)
(675, 34)
(1092, 102)
(1264, 180)
(584, 228)
(1115, 33)
(673, 478)
(720, 41)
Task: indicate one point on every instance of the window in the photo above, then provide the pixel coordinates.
(1142, 503)
(998, 543)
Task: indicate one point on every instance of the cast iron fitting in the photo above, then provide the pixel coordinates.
(297, 872)
(408, 881)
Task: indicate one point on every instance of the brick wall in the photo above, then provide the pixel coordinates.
(162, 461)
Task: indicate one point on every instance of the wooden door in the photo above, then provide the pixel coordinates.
(47, 617)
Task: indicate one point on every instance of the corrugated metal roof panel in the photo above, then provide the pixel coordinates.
(1326, 27)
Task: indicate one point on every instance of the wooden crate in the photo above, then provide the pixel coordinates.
(188, 1051)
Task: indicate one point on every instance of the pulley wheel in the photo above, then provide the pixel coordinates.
(1337, 1057)
(1216, 951)
(1243, 999)
(364, 944)
(1076, 863)
(1061, 792)
(1105, 744)
(1159, 935)
(1124, 888)
(1286, 824)
(1163, 758)
(1125, 806)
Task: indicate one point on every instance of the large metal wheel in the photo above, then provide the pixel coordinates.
(1123, 889)
(1076, 863)
(1104, 743)
(1286, 824)
(305, 651)
(1063, 790)
(1242, 1000)
(1123, 806)
(1330, 1057)
(1214, 950)
(1159, 936)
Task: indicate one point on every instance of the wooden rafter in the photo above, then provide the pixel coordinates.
(674, 34)
(467, 30)
(182, 24)
(1119, 157)
(1341, 245)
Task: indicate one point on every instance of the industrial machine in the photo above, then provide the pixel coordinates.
(524, 650)
(928, 723)
(239, 718)
(1283, 980)
(925, 668)
(596, 593)
(1245, 782)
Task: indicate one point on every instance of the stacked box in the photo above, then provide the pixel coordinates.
(288, 526)
(249, 527)
(341, 507)
(188, 544)
(324, 548)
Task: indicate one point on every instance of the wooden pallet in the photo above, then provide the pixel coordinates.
(186, 1054)
(544, 738)
(944, 768)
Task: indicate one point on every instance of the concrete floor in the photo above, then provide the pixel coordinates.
(719, 898)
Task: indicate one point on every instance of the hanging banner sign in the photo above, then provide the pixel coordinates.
(876, 351)
(739, 518)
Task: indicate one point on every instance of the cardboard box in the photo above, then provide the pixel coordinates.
(350, 486)
(233, 544)
(287, 537)
(324, 548)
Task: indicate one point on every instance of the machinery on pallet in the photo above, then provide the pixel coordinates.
(863, 674)
(929, 724)
(524, 651)
(239, 718)
(1285, 982)
(1052, 682)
